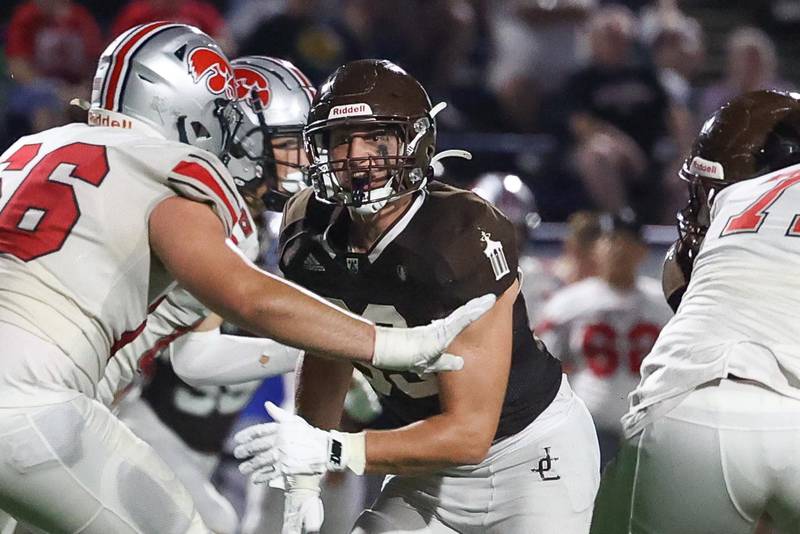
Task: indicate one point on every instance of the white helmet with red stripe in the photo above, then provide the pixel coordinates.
(275, 97)
(173, 77)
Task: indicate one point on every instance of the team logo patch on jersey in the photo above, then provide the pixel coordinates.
(545, 465)
(494, 252)
(352, 264)
(206, 64)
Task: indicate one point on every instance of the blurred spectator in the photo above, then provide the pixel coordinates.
(675, 42)
(299, 33)
(751, 64)
(441, 43)
(53, 39)
(621, 119)
(198, 13)
(52, 49)
(244, 16)
(535, 45)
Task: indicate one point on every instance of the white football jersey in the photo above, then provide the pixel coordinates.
(739, 313)
(75, 261)
(176, 314)
(601, 335)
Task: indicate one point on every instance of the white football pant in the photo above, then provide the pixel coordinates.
(542, 480)
(72, 467)
(727, 453)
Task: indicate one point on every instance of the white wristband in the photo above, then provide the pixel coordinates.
(303, 482)
(347, 450)
(400, 348)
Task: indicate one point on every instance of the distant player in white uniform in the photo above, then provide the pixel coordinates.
(602, 327)
(713, 431)
(97, 222)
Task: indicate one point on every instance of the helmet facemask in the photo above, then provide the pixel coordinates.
(257, 163)
(195, 133)
(384, 168)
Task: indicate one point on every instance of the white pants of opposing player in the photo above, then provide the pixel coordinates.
(727, 453)
(192, 468)
(72, 467)
(542, 480)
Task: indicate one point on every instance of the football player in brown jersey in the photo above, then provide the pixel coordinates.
(502, 446)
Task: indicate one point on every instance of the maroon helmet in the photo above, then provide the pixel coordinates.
(753, 134)
(370, 95)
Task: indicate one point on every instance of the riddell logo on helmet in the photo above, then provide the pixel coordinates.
(207, 64)
(707, 169)
(101, 119)
(249, 81)
(349, 110)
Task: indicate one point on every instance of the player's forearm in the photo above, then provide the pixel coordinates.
(287, 313)
(436, 443)
(321, 388)
(211, 358)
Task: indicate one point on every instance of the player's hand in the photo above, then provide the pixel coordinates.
(421, 349)
(302, 510)
(290, 446)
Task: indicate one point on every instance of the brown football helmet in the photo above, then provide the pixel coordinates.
(753, 134)
(369, 95)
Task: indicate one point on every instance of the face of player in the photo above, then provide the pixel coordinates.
(619, 255)
(367, 155)
(289, 154)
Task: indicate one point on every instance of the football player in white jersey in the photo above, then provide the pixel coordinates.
(97, 222)
(602, 327)
(713, 429)
(267, 151)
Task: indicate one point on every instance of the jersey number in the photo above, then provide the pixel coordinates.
(750, 220)
(41, 213)
(600, 347)
(416, 387)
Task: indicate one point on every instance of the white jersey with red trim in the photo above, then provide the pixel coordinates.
(601, 335)
(75, 261)
(739, 314)
(176, 314)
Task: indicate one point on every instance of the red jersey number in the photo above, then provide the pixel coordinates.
(603, 355)
(41, 213)
(750, 220)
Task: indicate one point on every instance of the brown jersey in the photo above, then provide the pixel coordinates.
(447, 248)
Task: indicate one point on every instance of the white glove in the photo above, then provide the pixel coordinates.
(362, 403)
(421, 349)
(302, 509)
(290, 446)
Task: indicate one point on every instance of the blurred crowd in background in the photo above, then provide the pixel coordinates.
(590, 102)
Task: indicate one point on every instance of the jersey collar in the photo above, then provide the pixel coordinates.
(335, 233)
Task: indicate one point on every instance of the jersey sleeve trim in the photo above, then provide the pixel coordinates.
(198, 179)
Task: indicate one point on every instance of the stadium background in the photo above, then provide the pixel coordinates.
(591, 103)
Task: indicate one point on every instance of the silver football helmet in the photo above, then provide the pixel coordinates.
(513, 197)
(174, 78)
(275, 98)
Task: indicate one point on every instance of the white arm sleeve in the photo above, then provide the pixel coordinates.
(215, 359)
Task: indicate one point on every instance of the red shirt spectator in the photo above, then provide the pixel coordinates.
(195, 12)
(53, 38)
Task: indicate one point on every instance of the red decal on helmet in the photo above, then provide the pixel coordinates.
(249, 80)
(209, 65)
